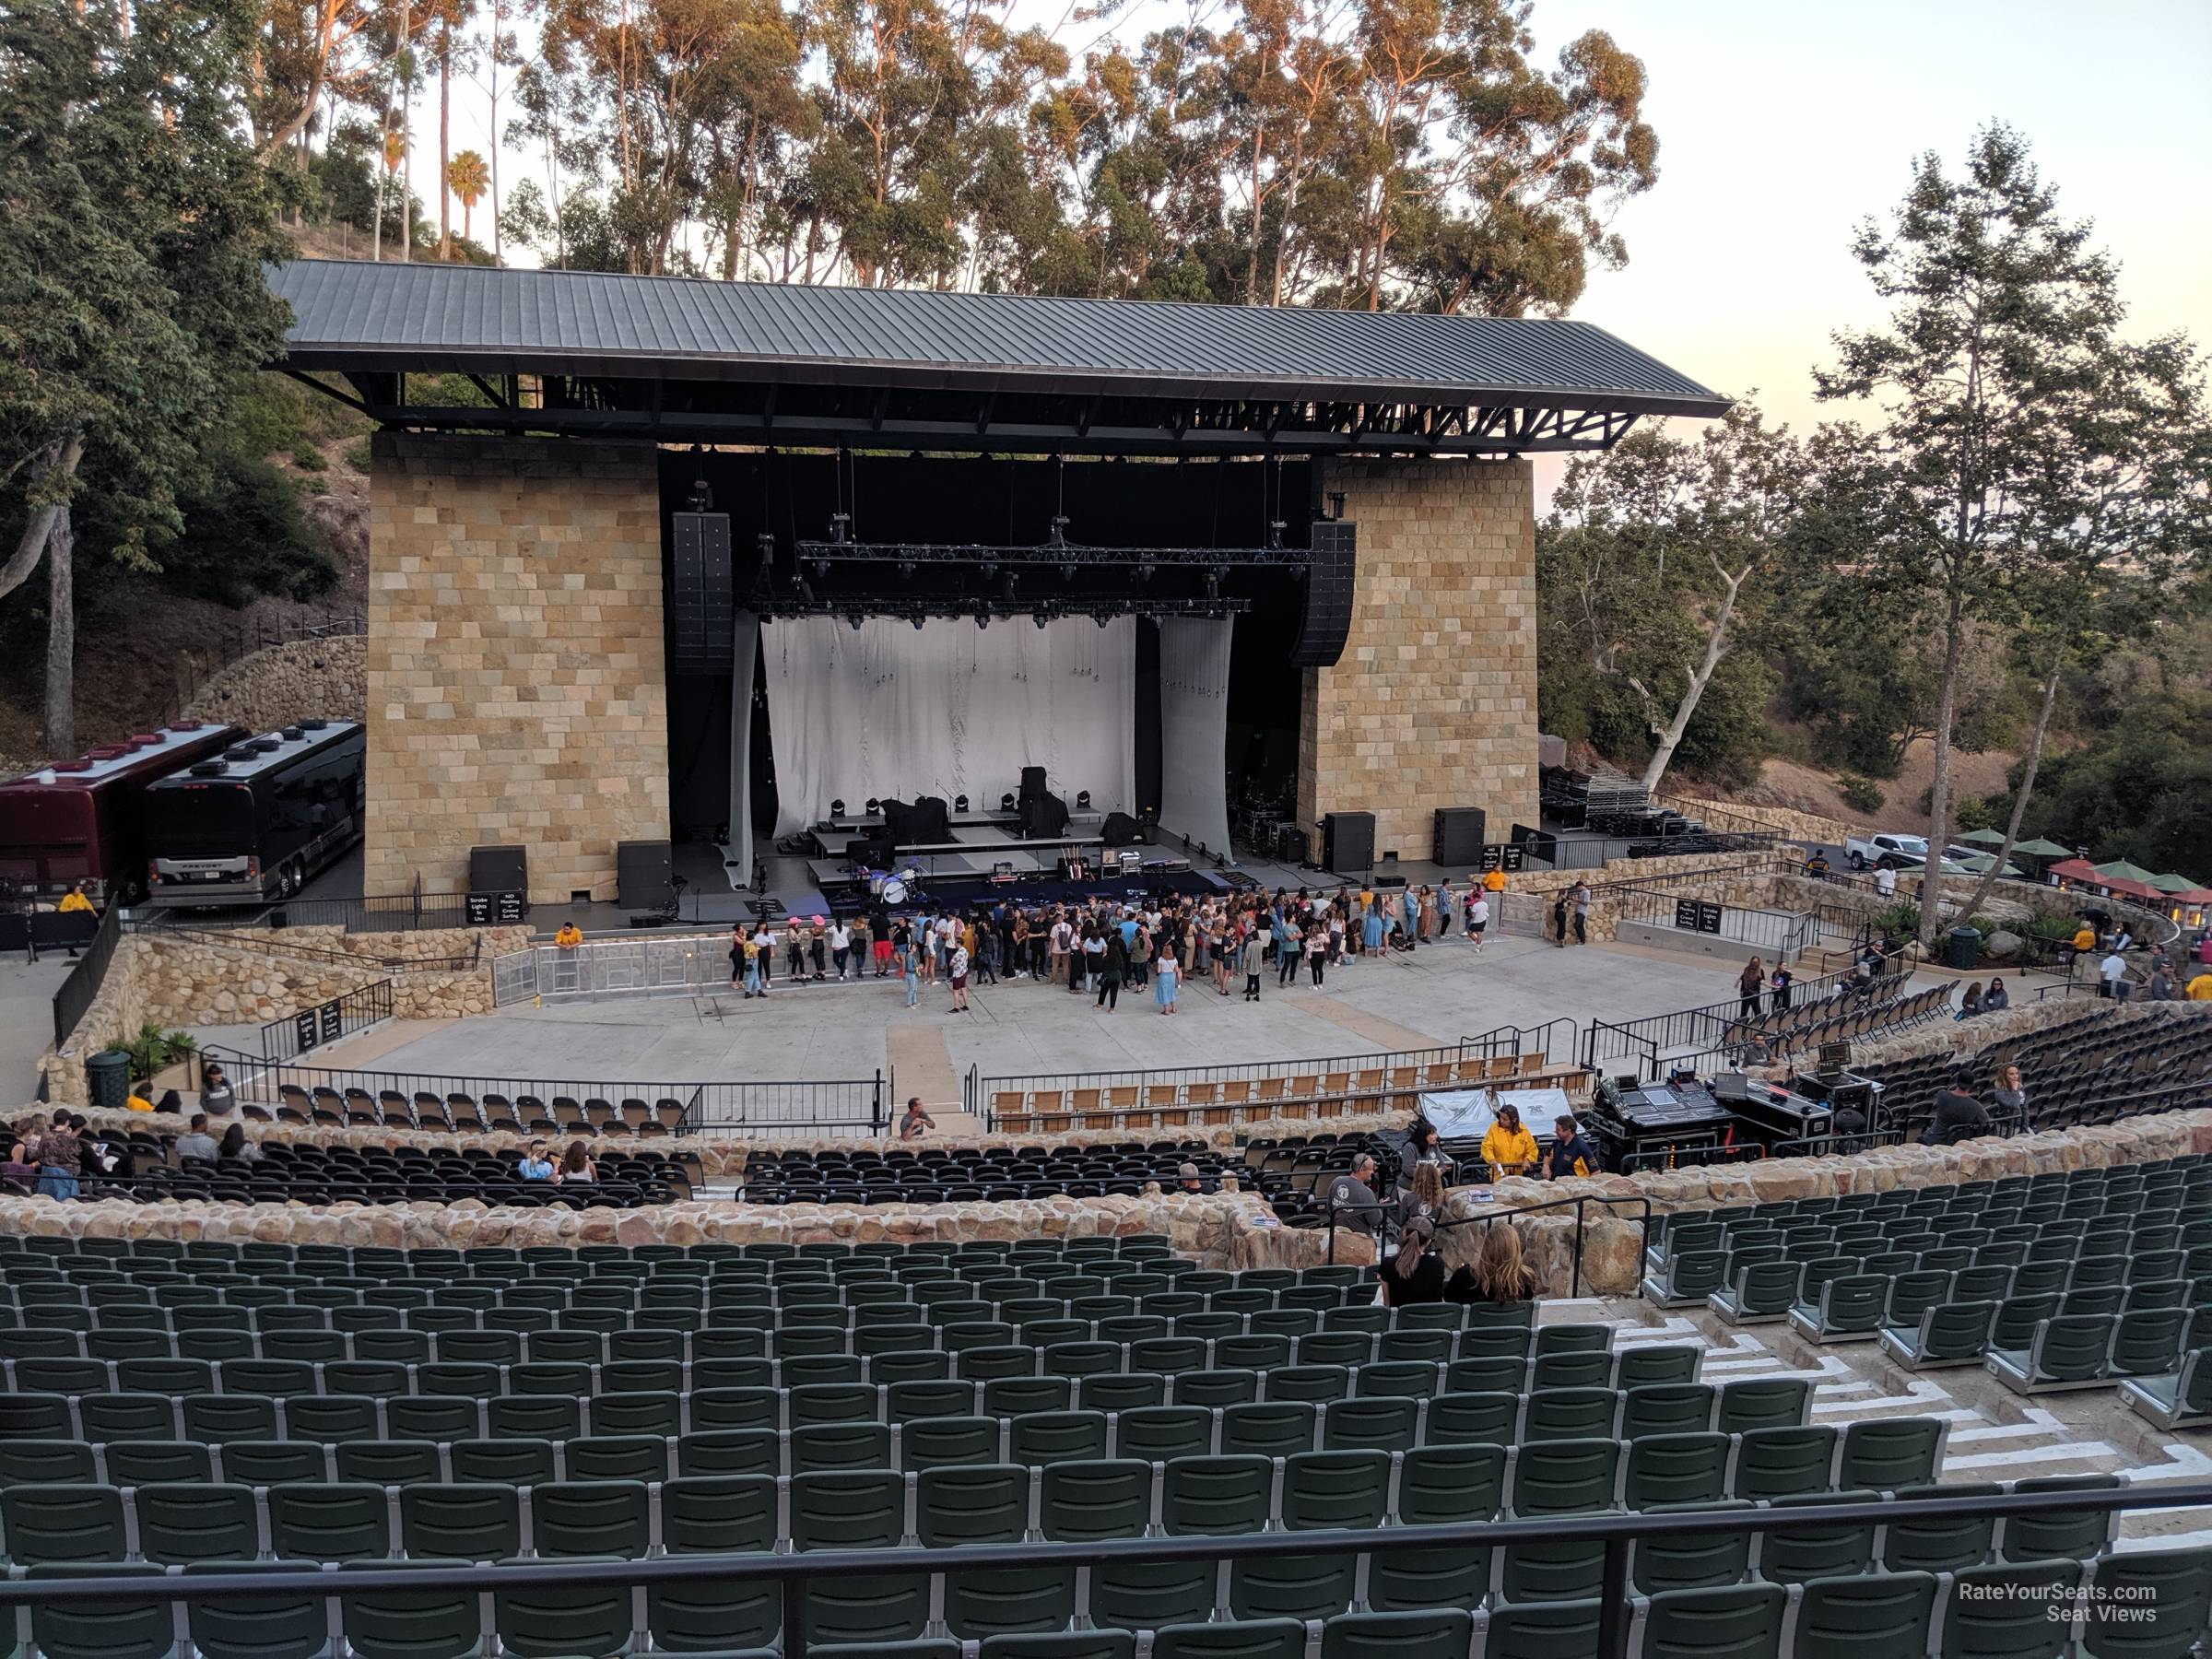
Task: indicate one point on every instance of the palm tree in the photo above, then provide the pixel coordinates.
(467, 176)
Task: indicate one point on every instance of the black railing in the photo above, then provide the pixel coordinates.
(1714, 1026)
(1544, 1040)
(393, 913)
(326, 1022)
(83, 982)
(796, 1573)
(749, 1110)
(1577, 1203)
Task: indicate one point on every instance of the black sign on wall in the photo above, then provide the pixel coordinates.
(1709, 917)
(1696, 915)
(1685, 914)
(482, 910)
(334, 1021)
(306, 1029)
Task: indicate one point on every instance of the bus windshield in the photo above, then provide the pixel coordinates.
(213, 820)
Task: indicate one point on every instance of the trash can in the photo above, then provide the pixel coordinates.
(108, 1075)
(1965, 949)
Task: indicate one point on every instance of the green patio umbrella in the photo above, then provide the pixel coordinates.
(2121, 870)
(1977, 864)
(2042, 849)
(1984, 837)
(2172, 883)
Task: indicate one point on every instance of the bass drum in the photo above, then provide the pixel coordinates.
(893, 890)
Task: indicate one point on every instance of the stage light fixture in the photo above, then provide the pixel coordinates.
(875, 806)
(919, 620)
(1039, 618)
(836, 809)
(906, 567)
(854, 618)
(983, 619)
(1083, 800)
(1005, 801)
(1101, 618)
(959, 802)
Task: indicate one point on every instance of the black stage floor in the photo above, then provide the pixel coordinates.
(971, 893)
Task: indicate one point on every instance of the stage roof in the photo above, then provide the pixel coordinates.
(688, 359)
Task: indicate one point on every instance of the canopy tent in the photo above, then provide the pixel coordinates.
(2119, 869)
(1980, 864)
(2041, 849)
(1984, 837)
(2174, 885)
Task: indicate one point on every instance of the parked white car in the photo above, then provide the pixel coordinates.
(1885, 851)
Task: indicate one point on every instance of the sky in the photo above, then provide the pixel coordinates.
(1784, 125)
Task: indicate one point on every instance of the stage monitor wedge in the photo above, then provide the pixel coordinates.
(1348, 842)
(1331, 579)
(701, 595)
(499, 870)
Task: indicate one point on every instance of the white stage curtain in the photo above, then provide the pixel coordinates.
(1194, 730)
(890, 711)
(744, 658)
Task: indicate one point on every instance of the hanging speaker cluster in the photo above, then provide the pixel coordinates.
(1330, 578)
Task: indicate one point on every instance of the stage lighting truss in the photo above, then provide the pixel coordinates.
(1067, 557)
(982, 608)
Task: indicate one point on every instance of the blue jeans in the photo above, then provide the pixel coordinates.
(55, 1183)
(913, 985)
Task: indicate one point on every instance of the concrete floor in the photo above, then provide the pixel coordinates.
(1435, 996)
(27, 991)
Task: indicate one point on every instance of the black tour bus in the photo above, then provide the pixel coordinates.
(256, 821)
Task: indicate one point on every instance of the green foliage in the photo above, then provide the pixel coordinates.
(1898, 922)
(307, 458)
(1860, 794)
(153, 1049)
(358, 455)
(245, 536)
(2140, 790)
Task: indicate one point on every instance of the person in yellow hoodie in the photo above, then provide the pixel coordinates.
(1507, 1147)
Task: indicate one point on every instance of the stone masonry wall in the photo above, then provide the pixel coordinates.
(301, 679)
(516, 688)
(1434, 703)
(243, 975)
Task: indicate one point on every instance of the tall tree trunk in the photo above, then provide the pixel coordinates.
(406, 142)
(1939, 787)
(60, 636)
(445, 126)
(38, 530)
(2026, 788)
(1716, 647)
(498, 253)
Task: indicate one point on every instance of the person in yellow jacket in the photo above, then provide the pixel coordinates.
(1507, 1147)
(2200, 988)
(74, 901)
(569, 936)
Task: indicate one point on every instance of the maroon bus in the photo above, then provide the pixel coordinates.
(84, 819)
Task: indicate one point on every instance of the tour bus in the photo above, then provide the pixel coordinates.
(257, 820)
(84, 819)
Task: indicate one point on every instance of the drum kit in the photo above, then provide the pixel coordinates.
(893, 888)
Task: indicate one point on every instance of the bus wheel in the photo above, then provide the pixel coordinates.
(288, 882)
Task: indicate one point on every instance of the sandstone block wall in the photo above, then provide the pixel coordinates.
(1434, 701)
(517, 692)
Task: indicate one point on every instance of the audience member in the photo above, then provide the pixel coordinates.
(1423, 1198)
(17, 1173)
(2011, 1099)
(917, 1121)
(576, 1165)
(1188, 1179)
(171, 1101)
(537, 1165)
(1498, 1277)
(1959, 1116)
(1352, 1199)
(237, 1148)
(1970, 1004)
(60, 1157)
(215, 1097)
(1996, 998)
(569, 937)
(198, 1143)
(1414, 1275)
(2111, 975)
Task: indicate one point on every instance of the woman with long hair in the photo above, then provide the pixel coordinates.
(1414, 1275)
(576, 1164)
(1425, 1196)
(1499, 1276)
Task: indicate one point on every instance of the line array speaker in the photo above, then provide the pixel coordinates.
(1348, 842)
(1330, 579)
(645, 874)
(1459, 832)
(702, 598)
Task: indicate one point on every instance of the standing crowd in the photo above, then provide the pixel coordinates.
(1101, 947)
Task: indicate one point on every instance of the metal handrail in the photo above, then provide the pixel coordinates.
(1578, 1201)
(794, 1572)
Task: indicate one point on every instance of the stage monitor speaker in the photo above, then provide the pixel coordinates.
(1348, 842)
(499, 870)
(1293, 846)
(1032, 784)
(1120, 830)
(1331, 577)
(645, 874)
(702, 595)
(1459, 832)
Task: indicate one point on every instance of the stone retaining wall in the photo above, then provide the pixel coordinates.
(301, 679)
(239, 976)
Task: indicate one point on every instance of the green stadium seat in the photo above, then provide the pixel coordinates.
(1493, 1417)
(1546, 1627)
(2004, 1612)
(944, 1442)
(275, 1462)
(1653, 1365)
(393, 1462)
(446, 1520)
(1673, 1469)
(1762, 1403)
(1246, 1639)
(333, 1522)
(1159, 1433)
(1742, 1621)
(1268, 1429)
(2075, 1534)
(857, 1509)
(1569, 1414)
(99, 1630)
(1120, 1390)
(1797, 1555)
(1219, 1388)
(601, 1519)
(1549, 1569)
(1849, 1617)
(1690, 1560)
(50, 1463)
(1779, 1462)
(990, 1504)
(1564, 1476)
(1889, 1453)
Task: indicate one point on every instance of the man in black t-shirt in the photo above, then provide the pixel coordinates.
(1959, 1116)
